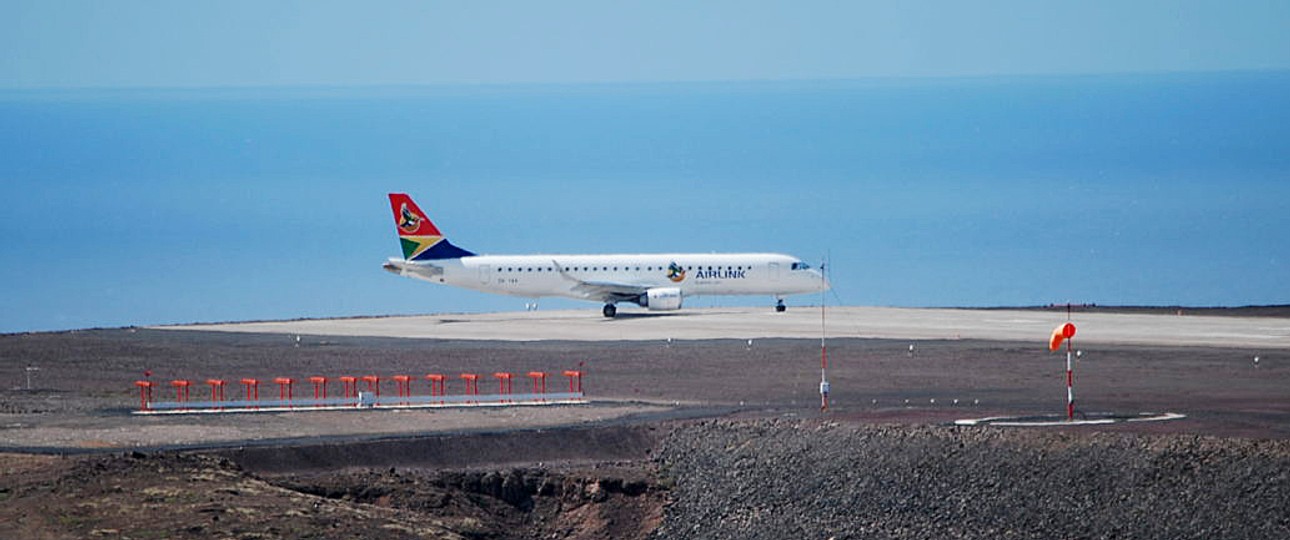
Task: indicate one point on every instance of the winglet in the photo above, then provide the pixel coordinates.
(420, 239)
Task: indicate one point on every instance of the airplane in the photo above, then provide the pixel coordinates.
(657, 282)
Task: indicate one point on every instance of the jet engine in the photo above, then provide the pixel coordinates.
(661, 299)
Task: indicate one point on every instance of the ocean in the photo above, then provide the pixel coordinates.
(152, 206)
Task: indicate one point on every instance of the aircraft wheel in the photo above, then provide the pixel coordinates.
(610, 310)
(780, 307)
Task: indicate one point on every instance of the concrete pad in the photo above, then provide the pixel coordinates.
(755, 323)
(1056, 420)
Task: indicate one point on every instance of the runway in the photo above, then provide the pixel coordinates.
(802, 322)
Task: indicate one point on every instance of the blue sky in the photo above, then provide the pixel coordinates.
(170, 162)
(301, 43)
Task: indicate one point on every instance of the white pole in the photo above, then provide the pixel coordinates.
(1070, 392)
(824, 351)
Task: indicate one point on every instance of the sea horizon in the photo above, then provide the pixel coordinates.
(136, 207)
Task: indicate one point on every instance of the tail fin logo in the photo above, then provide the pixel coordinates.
(419, 238)
(675, 272)
(408, 221)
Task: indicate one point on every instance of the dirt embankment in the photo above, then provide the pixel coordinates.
(598, 483)
(711, 479)
(170, 495)
(604, 501)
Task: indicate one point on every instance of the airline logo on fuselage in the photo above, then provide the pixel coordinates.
(675, 272)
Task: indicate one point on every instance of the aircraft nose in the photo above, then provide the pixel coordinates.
(823, 282)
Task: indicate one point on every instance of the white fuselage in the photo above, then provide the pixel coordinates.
(579, 276)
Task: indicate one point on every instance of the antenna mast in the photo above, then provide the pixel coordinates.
(824, 349)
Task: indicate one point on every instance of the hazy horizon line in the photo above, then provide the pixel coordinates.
(711, 83)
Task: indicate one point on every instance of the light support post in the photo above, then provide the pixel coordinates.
(824, 350)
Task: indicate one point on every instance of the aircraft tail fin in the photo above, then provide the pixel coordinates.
(420, 239)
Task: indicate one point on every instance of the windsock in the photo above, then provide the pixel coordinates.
(1060, 334)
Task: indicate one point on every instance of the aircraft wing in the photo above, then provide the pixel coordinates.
(603, 291)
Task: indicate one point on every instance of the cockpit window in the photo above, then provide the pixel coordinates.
(801, 266)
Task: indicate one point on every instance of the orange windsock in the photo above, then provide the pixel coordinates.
(1060, 334)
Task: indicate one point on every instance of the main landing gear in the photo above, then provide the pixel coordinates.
(779, 305)
(610, 310)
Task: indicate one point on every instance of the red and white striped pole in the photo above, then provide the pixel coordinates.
(1064, 333)
(1070, 380)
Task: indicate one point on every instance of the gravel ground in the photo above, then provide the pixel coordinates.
(773, 466)
(813, 479)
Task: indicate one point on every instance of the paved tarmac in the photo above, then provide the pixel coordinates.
(801, 322)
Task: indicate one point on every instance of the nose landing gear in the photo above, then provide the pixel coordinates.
(779, 305)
